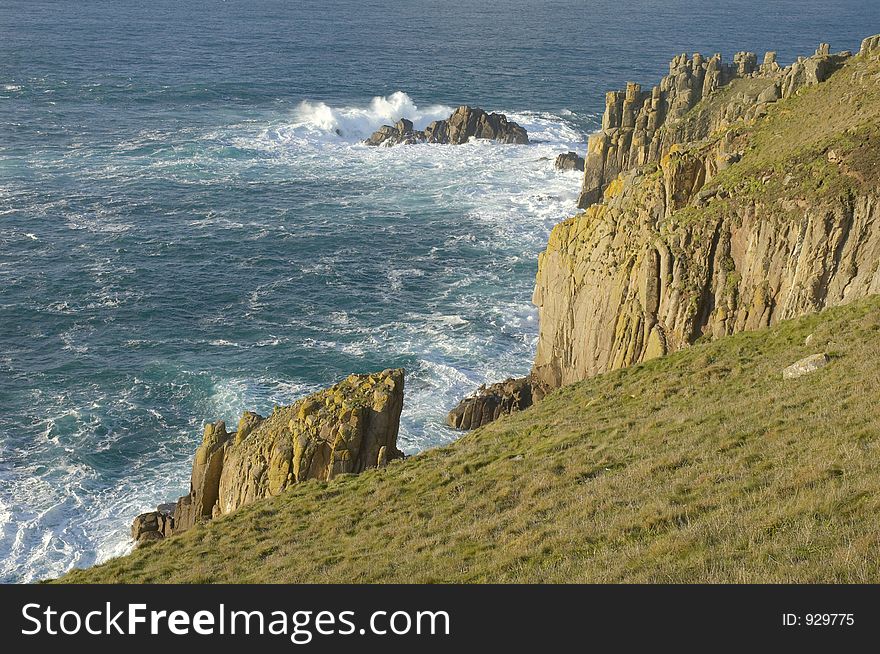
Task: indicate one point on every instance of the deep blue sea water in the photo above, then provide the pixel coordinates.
(183, 235)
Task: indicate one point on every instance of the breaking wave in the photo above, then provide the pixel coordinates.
(360, 121)
(336, 258)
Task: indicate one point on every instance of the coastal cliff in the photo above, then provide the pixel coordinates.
(753, 213)
(741, 237)
(734, 461)
(728, 198)
(344, 429)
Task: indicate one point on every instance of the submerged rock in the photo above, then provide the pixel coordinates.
(489, 403)
(464, 123)
(347, 428)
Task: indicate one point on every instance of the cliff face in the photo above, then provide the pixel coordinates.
(727, 198)
(346, 428)
(755, 211)
(617, 286)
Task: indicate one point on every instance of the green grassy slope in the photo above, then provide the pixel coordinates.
(704, 466)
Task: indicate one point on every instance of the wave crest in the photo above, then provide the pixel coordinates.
(359, 122)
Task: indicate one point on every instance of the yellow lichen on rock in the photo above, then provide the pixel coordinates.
(733, 227)
(344, 429)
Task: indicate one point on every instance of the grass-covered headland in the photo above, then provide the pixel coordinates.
(703, 466)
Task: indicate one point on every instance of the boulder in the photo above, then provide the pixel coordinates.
(153, 525)
(771, 94)
(870, 44)
(489, 403)
(570, 161)
(385, 135)
(464, 123)
(805, 366)
(148, 537)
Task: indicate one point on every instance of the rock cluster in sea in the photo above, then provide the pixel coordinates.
(464, 124)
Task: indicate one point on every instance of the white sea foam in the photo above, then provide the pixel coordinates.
(507, 197)
(54, 517)
(358, 122)
(232, 397)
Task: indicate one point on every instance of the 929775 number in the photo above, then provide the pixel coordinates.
(829, 619)
(818, 619)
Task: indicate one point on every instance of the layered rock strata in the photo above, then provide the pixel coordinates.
(464, 124)
(346, 428)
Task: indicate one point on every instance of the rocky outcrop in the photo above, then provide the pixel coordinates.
(489, 403)
(401, 133)
(205, 480)
(689, 247)
(870, 45)
(622, 284)
(346, 428)
(708, 214)
(640, 127)
(570, 161)
(154, 525)
(464, 124)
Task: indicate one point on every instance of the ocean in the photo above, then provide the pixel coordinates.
(190, 227)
